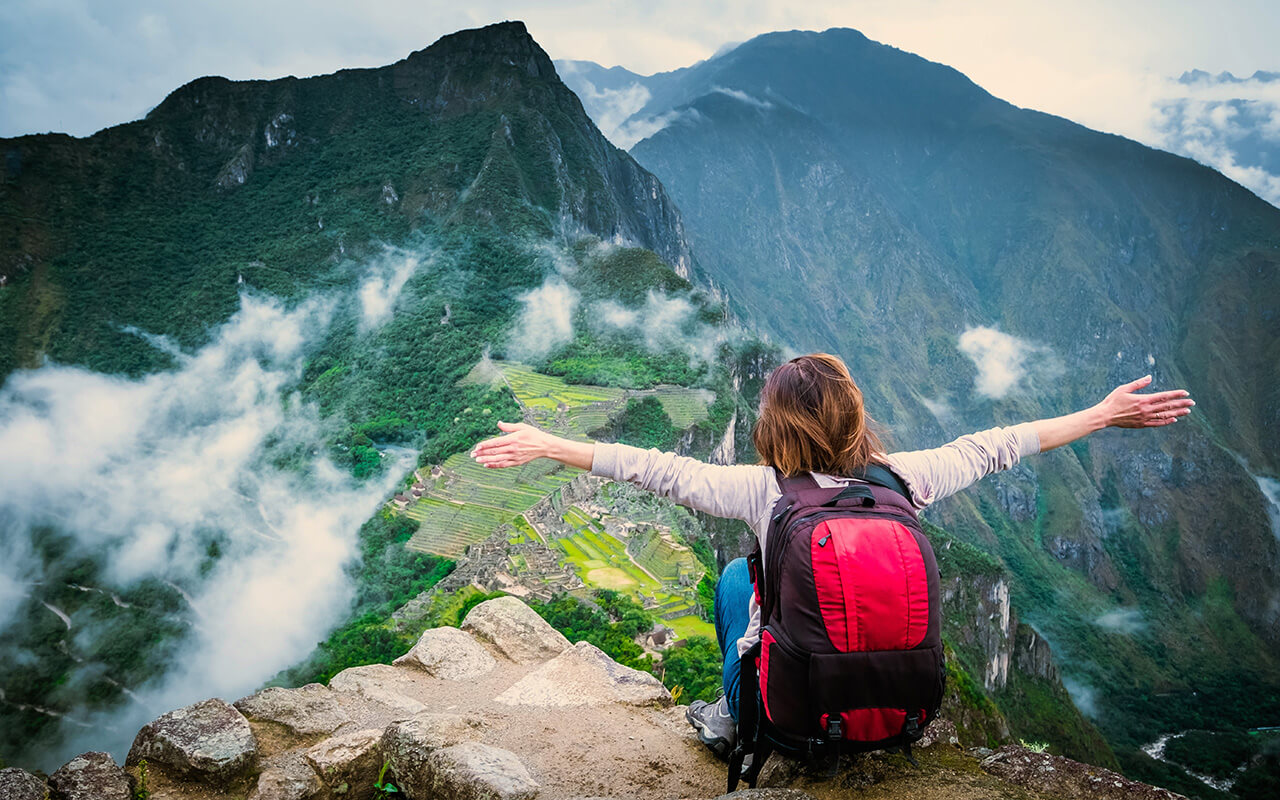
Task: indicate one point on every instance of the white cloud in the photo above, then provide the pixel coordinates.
(1085, 697)
(381, 287)
(1003, 361)
(545, 322)
(663, 323)
(142, 472)
(738, 94)
(1122, 620)
(608, 108)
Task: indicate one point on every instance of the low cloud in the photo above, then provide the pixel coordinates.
(609, 108)
(382, 286)
(144, 473)
(665, 322)
(636, 130)
(1085, 697)
(738, 94)
(545, 321)
(1228, 123)
(1005, 362)
(1128, 621)
(941, 411)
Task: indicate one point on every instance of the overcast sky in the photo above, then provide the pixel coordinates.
(79, 65)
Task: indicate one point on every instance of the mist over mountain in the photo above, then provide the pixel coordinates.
(981, 264)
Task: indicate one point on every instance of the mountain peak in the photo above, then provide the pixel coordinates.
(507, 41)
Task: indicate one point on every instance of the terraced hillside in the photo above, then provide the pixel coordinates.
(462, 503)
(603, 561)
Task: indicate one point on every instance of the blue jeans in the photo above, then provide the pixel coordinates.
(733, 593)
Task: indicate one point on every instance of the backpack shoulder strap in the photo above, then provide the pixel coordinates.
(882, 476)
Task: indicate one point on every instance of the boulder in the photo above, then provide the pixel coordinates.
(407, 743)
(288, 778)
(90, 776)
(940, 731)
(469, 771)
(450, 654)
(584, 675)
(380, 683)
(305, 711)
(18, 784)
(515, 630)
(1063, 778)
(207, 741)
(349, 761)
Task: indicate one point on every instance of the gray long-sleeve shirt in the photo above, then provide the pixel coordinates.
(748, 492)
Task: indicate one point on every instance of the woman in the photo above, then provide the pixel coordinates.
(812, 420)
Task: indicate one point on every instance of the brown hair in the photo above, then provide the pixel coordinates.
(812, 419)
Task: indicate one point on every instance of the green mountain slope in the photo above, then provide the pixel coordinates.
(851, 197)
(330, 256)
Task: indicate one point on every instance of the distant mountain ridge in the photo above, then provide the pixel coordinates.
(852, 197)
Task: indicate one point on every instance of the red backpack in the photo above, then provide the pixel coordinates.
(850, 651)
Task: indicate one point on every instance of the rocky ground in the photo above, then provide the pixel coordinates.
(506, 708)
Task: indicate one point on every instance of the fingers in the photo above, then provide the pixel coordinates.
(511, 427)
(1160, 397)
(1133, 386)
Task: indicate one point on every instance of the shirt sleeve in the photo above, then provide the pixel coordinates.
(934, 474)
(734, 491)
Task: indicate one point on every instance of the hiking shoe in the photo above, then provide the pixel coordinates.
(716, 728)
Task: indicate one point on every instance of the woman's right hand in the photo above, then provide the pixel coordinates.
(519, 444)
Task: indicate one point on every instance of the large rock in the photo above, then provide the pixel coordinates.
(287, 778)
(450, 654)
(407, 743)
(469, 771)
(584, 675)
(305, 711)
(380, 683)
(208, 741)
(1066, 779)
(515, 630)
(18, 784)
(90, 776)
(349, 762)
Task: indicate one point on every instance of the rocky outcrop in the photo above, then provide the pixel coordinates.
(584, 675)
(90, 776)
(471, 771)
(349, 761)
(448, 653)
(206, 741)
(1066, 779)
(18, 784)
(515, 630)
(287, 778)
(303, 711)
(544, 720)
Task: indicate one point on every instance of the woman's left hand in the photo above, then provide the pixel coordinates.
(1125, 408)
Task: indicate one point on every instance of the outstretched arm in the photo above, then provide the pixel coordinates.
(522, 443)
(942, 471)
(1122, 408)
(737, 491)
